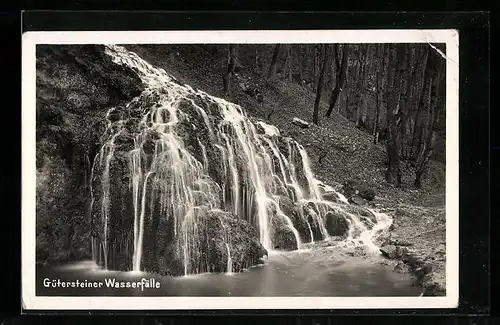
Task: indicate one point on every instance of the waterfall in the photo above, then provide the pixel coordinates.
(187, 155)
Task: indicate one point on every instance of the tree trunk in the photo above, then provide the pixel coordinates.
(320, 84)
(364, 91)
(397, 55)
(316, 65)
(287, 71)
(339, 84)
(420, 103)
(228, 71)
(256, 63)
(274, 59)
(406, 83)
(377, 92)
(286, 63)
(434, 105)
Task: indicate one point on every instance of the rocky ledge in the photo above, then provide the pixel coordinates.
(417, 244)
(416, 240)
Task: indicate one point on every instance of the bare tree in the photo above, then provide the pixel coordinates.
(434, 105)
(421, 103)
(227, 71)
(320, 83)
(340, 76)
(272, 67)
(397, 55)
(378, 76)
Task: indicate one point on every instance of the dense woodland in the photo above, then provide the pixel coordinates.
(394, 92)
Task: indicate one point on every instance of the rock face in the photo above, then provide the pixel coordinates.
(227, 244)
(75, 87)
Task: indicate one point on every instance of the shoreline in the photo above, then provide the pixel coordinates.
(416, 244)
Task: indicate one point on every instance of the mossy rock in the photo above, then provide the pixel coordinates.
(336, 224)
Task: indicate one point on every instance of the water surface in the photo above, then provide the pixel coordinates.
(317, 272)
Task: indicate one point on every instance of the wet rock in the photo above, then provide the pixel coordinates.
(282, 235)
(401, 267)
(131, 125)
(124, 142)
(115, 115)
(287, 206)
(362, 212)
(76, 86)
(299, 222)
(336, 224)
(389, 251)
(315, 227)
(284, 239)
(423, 270)
(331, 196)
(149, 147)
(356, 252)
(217, 237)
(357, 200)
(394, 252)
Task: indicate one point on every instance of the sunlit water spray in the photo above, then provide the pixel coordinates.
(192, 154)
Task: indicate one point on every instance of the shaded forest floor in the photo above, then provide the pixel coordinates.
(339, 151)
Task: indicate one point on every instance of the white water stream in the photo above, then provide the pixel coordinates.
(256, 172)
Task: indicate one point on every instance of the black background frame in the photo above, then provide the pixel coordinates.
(475, 148)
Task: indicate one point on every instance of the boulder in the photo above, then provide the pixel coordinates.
(303, 124)
(350, 187)
(354, 188)
(357, 200)
(284, 239)
(389, 251)
(394, 252)
(336, 224)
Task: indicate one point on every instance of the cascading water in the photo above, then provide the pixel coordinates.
(186, 156)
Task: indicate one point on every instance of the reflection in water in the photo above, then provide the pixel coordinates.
(318, 272)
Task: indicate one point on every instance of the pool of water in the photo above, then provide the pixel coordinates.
(314, 272)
